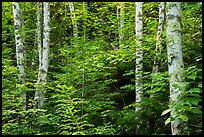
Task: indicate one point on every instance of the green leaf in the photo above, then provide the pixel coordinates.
(197, 111)
(176, 85)
(194, 101)
(165, 111)
(195, 90)
(183, 117)
(200, 85)
(4, 24)
(131, 72)
(192, 77)
(168, 121)
(128, 86)
(182, 103)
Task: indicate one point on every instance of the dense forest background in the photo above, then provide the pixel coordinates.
(90, 85)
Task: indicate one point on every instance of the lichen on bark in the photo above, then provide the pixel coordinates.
(175, 65)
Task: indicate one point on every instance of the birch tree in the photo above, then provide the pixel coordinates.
(73, 17)
(175, 64)
(39, 31)
(38, 94)
(20, 51)
(121, 24)
(139, 55)
(158, 40)
(42, 77)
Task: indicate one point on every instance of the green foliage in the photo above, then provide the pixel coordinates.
(66, 116)
(91, 82)
(189, 105)
(149, 117)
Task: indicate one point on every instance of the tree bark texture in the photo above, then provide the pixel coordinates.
(75, 29)
(139, 55)
(20, 51)
(158, 40)
(175, 63)
(42, 77)
(38, 94)
(121, 25)
(39, 31)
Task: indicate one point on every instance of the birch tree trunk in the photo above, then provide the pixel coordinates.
(139, 55)
(20, 51)
(121, 25)
(175, 63)
(75, 29)
(38, 94)
(158, 41)
(39, 31)
(42, 77)
(115, 47)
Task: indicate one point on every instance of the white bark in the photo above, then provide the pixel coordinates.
(20, 51)
(42, 78)
(19, 41)
(158, 40)
(121, 26)
(175, 62)
(39, 31)
(139, 54)
(38, 93)
(75, 29)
